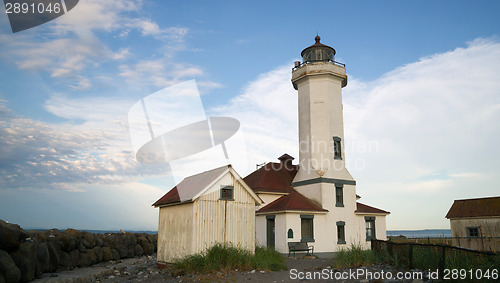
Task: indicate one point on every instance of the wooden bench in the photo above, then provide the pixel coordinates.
(299, 247)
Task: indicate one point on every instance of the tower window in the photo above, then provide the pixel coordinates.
(227, 193)
(341, 232)
(339, 195)
(337, 148)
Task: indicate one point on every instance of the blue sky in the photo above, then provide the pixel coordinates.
(421, 109)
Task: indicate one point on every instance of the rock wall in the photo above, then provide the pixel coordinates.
(24, 255)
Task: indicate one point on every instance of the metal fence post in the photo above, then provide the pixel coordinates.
(442, 262)
(411, 256)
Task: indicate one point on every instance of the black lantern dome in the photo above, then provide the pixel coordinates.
(318, 52)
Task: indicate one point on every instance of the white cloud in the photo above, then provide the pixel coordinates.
(436, 114)
(146, 72)
(163, 72)
(69, 156)
(433, 112)
(93, 15)
(121, 54)
(150, 28)
(4, 110)
(92, 110)
(71, 44)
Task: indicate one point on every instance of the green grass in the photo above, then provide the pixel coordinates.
(268, 259)
(355, 256)
(226, 257)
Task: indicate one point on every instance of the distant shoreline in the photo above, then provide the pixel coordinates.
(95, 231)
(425, 233)
(407, 233)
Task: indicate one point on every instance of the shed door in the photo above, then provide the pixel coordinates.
(270, 232)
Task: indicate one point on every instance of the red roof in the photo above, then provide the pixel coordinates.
(363, 208)
(272, 177)
(171, 197)
(479, 207)
(293, 201)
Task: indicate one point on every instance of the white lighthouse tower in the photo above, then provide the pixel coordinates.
(322, 176)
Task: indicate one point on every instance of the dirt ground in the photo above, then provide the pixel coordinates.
(144, 269)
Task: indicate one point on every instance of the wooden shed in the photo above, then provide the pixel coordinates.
(475, 223)
(215, 206)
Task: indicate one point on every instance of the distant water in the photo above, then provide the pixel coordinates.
(101, 231)
(129, 231)
(421, 233)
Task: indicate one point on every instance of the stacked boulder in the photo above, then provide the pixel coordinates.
(25, 255)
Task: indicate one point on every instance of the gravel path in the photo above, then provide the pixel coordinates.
(144, 269)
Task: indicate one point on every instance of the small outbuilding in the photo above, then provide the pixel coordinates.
(475, 222)
(212, 207)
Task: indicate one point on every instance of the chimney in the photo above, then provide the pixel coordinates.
(286, 160)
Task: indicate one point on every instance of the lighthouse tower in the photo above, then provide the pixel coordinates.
(322, 175)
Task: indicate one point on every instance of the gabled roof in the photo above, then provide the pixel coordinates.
(478, 207)
(194, 186)
(171, 197)
(292, 202)
(363, 208)
(191, 186)
(273, 178)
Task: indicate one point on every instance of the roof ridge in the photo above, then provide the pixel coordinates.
(467, 199)
(369, 207)
(197, 174)
(287, 202)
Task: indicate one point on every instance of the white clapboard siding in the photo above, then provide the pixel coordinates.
(239, 217)
(193, 227)
(175, 229)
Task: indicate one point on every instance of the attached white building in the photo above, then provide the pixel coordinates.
(288, 216)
